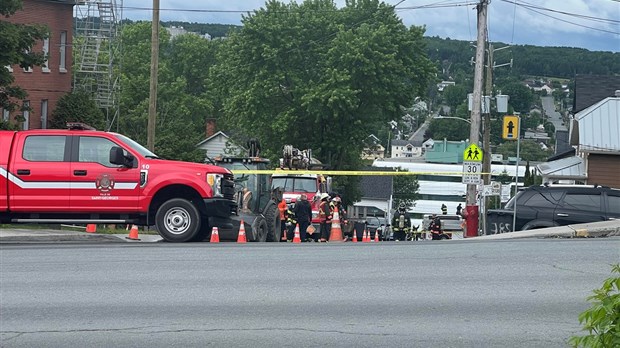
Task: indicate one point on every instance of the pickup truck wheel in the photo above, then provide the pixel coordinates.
(259, 230)
(177, 220)
(274, 232)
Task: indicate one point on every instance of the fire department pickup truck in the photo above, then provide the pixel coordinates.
(81, 175)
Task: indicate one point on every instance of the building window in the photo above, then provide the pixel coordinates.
(5, 115)
(63, 51)
(46, 52)
(44, 114)
(28, 69)
(26, 115)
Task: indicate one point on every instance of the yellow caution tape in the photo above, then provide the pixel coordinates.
(342, 172)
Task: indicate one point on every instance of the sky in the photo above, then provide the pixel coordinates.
(589, 24)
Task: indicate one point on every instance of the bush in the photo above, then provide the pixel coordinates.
(602, 319)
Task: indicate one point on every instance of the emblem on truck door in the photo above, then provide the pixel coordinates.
(105, 183)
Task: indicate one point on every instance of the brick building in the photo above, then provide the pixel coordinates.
(45, 84)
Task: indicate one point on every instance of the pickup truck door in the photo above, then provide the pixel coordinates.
(38, 173)
(97, 185)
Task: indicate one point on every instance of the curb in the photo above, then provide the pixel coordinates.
(587, 230)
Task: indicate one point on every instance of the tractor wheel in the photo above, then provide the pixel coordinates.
(274, 231)
(259, 230)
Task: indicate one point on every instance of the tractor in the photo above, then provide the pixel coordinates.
(257, 203)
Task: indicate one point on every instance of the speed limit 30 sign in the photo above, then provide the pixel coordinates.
(472, 173)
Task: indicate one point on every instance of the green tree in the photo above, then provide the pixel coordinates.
(521, 97)
(406, 188)
(16, 41)
(529, 151)
(453, 96)
(77, 106)
(319, 77)
(449, 129)
(182, 106)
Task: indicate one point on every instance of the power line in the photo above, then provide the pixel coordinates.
(532, 8)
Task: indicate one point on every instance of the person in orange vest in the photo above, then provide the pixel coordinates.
(325, 217)
(282, 208)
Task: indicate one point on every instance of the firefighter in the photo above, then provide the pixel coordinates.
(325, 217)
(282, 208)
(401, 223)
(303, 212)
(435, 228)
(291, 222)
(444, 209)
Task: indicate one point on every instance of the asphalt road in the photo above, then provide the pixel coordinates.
(553, 116)
(516, 293)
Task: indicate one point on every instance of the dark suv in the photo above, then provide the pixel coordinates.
(559, 205)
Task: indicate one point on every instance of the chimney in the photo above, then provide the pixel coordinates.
(617, 93)
(210, 129)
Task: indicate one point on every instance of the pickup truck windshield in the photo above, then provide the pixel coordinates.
(135, 146)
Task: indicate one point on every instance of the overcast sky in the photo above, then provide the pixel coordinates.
(590, 24)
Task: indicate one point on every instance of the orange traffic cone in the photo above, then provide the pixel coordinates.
(241, 238)
(91, 228)
(296, 238)
(215, 236)
(336, 233)
(354, 240)
(365, 238)
(377, 236)
(133, 234)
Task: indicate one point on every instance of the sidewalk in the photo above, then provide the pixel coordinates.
(14, 235)
(593, 229)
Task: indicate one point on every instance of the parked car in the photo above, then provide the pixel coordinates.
(558, 205)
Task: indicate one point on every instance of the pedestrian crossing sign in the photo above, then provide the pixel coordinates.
(473, 154)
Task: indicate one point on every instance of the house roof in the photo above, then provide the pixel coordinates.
(598, 126)
(590, 89)
(213, 136)
(378, 187)
(565, 168)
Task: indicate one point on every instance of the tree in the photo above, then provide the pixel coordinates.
(16, 41)
(529, 151)
(453, 96)
(406, 188)
(321, 79)
(77, 106)
(521, 97)
(182, 106)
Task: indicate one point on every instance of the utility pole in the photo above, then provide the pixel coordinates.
(472, 207)
(150, 133)
(486, 161)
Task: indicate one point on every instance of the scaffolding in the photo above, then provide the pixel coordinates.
(97, 48)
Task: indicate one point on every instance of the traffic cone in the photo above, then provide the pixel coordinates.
(336, 233)
(241, 238)
(91, 228)
(354, 240)
(365, 238)
(133, 234)
(297, 238)
(215, 236)
(377, 236)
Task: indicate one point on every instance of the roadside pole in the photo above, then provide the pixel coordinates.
(511, 130)
(471, 207)
(514, 214)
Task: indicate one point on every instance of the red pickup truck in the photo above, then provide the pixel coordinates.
(81, 175)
